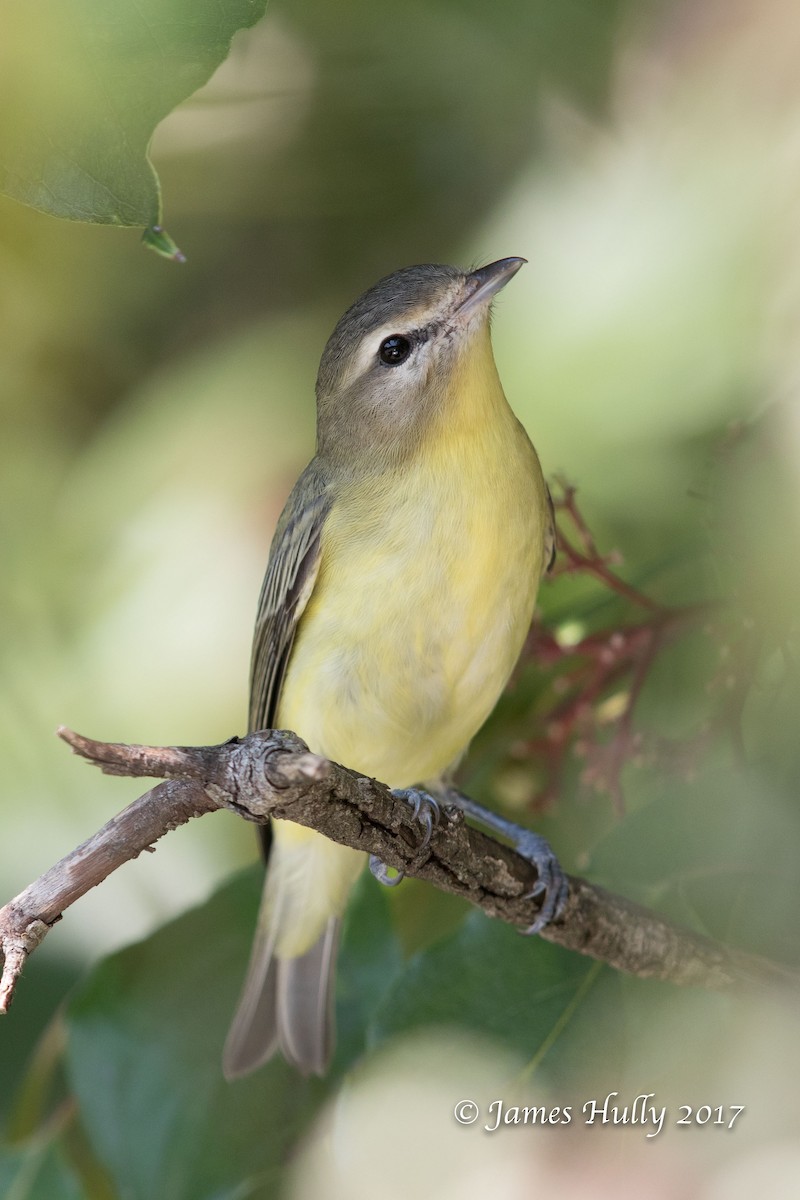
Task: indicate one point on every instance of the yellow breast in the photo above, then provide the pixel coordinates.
(425, 593)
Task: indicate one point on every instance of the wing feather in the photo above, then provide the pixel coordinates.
(271, 1010)
(288, 583)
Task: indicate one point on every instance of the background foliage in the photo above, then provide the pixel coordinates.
(644, 159)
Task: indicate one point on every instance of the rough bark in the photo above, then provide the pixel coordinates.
(272, 774)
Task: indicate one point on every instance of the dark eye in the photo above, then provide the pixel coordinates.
(394, 350)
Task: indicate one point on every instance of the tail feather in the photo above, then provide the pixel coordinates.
(304, 1004)
(253, 1035)
(287, 998)
(286, 1002)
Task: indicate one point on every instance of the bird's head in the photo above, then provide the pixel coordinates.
(412, 348)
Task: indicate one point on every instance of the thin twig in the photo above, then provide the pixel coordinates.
(272, 774)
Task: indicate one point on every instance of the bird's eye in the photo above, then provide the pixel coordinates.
(394, 350)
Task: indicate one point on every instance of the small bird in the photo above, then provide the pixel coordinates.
(400, 587)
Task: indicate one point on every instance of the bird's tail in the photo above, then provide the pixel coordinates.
(287, 998)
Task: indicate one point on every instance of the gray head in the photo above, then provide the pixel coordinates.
(403, 352)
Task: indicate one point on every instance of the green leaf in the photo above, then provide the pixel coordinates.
(83, 86)
(370, 961)
(576, 1028)
(145, 1036)
(488, 979)
(36, 1171)
(717, 852)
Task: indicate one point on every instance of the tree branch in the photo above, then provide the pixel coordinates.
(273, 774)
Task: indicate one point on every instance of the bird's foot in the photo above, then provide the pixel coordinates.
(427, 812)
(551, 883)
(381, 872)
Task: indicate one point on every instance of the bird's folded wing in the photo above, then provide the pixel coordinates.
(291, 573)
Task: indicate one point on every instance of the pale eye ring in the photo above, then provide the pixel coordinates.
(394, 350)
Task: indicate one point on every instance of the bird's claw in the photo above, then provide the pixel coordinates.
(551, 884)
(426, 810)
(381, 872)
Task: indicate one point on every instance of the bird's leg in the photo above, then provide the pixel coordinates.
(551, 883)
(426, 810)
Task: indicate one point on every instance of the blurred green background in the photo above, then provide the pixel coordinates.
(644, 158)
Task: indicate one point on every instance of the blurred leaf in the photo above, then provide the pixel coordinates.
(82, 88)
(144, 1054)
(717, 852)
(413, 140)
(370, 960)
(37, 1172)
(24, 1048)
(490, 980)
(768, 720)
(145, 1045)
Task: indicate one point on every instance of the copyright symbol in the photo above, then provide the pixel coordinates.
(465, 1112)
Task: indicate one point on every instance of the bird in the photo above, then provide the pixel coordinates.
(400, 586)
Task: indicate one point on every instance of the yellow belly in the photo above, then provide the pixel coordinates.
(425, 593)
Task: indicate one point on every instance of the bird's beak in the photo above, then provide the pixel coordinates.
(485, 283)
